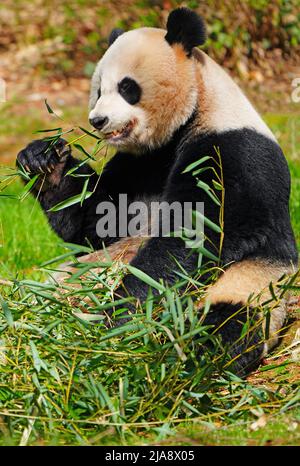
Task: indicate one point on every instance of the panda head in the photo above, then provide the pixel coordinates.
(144, 87)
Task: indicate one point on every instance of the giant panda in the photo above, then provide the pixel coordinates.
(162, 104)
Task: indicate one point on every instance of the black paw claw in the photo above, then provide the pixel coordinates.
(42, 157)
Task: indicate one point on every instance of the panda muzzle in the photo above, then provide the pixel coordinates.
(123, 133)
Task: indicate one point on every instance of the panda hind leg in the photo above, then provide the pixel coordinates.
(238, 311)
(240, 330)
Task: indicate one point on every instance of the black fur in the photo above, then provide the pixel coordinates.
(241, 335)
(185, 27)
(42, 157)
(257, 187)
(130, 90)
(256, 211)
(115, 33)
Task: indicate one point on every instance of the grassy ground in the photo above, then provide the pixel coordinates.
(66, 381)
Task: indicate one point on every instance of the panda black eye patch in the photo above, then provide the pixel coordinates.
(130, 90)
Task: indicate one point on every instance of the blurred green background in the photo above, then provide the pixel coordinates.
(71, 36)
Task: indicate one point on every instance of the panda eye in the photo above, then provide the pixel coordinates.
(130, 90)
(99, 93)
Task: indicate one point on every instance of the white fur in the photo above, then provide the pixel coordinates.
(112, 68)
(229, 108)
(169, 91)
(109, 72)
(168, 99)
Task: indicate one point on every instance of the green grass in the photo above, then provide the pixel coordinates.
(286, 127)
(64, 380)
(25, 237)
(277, 430)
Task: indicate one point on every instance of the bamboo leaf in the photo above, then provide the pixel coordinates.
(213, 226)
(207, 253)
(70, 201)
(116, 332)
(195, 164)
(38, 363)
(201, 170)
(48, 107)
(81, 149)
(217, 185)
(7, 313)
(208, 191)
(90, 133)
(47, 130)
(28, 187)
(146, 278)
(84, 191)
(74, 169)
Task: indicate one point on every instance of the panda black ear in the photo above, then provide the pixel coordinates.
(185, 27)
(115, 33)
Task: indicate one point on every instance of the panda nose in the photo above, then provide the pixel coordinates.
(98, 122)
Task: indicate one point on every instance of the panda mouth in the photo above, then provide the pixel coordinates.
(123, 133)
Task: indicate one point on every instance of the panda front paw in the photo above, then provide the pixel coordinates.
(42, 157)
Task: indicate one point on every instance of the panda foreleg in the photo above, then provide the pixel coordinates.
(52, 163)
(158, 258)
